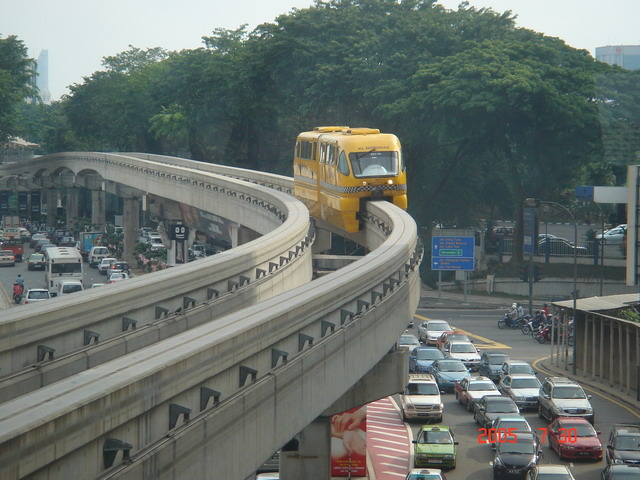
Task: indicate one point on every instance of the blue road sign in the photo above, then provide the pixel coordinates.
(452, 253)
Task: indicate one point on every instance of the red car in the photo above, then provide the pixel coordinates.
(470, 390)
(574, 437)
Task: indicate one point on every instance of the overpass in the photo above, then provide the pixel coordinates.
(210, 366)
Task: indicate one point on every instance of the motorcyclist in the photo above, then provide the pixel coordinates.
(17, 290)
(512, 315)
(546, 310)
(20, 280)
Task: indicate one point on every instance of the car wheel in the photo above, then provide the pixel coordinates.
(469, 406)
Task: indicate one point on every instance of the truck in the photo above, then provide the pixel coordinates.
(87, 241)
(11, 237)
(10, 221)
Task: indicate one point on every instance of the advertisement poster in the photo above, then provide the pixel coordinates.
(348, 443)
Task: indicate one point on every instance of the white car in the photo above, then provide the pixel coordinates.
(118, 276)
(430, 331)
(465, 351)
(615, 235)
(522, 388)
(36, 295)
(421, 399)
(105, 264)
(155, 243)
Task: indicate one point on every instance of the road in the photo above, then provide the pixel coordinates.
(474, 458)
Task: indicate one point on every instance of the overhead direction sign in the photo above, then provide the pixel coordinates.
(452, 253)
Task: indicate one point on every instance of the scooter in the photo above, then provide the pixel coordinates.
(506, 322)
(17, 297)
(534, 324)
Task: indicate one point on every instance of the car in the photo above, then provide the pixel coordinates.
(425, 474)
(562, 397)
(421, 358)
(96, 254)
(36, 261)
(448, 371)
(421, 399)
(198, 250)
(118, 276)
(429, 331)
(573, 438)
(550, 472)
(491, 363)
(451, 336)
(155, 243)
(408, 341)
(118, 267)
(42, 247)
(268, 476)
(522, 389)
(465, 351)
(96, 285)
(25, 235)
(435, 445)
(7, 258)
(34, 295)
(470, 390)
(559, 246)
(621, 471)
(105, 264)
(69, 286)
(36, 237)
(491, 407)
(507, 423)
(515, 457)
(614, 236)
(511, 367)
(624, 444)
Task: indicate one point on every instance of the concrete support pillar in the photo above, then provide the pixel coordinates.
(322, 242)
(131, 229)
(98, 208)
(311, 460)
(72, 207)
(51, 195)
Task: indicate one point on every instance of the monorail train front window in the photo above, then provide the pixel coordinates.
(374, 163)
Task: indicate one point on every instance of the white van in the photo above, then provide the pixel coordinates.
(69, 286)
(97, 254)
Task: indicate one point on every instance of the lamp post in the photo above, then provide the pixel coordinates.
(601, 248)
(532, 202)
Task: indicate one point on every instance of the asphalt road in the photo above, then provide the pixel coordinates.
(474, 458)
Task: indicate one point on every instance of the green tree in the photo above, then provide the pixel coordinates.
(16, 83)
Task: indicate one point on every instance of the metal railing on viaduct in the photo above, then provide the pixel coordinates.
(206, 367)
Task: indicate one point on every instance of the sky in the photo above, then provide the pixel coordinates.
(78, 34)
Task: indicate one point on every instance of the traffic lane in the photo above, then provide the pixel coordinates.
(475, 456)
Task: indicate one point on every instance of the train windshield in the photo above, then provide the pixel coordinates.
(374, 164)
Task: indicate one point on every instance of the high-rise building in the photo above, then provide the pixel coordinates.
(42, 80)
(626, 56)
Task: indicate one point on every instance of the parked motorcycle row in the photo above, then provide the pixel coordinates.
(541, 327)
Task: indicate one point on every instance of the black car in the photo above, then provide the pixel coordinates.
(513, 459)
(624, 444)
(490, 408)
(621, 472)
(118, 267)
(490, 364)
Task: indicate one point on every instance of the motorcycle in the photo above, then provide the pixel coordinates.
(17, 297)
(534, 324)
(544, 335)
(506, 322)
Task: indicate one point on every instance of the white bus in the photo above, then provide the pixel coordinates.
(63, 264)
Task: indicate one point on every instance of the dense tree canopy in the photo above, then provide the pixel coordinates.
(488, 113)
(15, 83)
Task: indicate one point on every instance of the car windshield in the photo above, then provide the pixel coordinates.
(525, 446)
(439, 437)
(438, 326)
(501, 407)
(374, 163)
(408, 340)
(497, 359)
(424, 476)
(421, 389)
(476, 386)
(38, 295)
(581, 429)
(525, 383)
(517, 424)
(429, 354)
(569, 392)
(451, 367)
(556, 476)
(462, 348)
(627, 442)
(62, 268)
(521, 369)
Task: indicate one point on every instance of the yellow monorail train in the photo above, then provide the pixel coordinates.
(337, 169)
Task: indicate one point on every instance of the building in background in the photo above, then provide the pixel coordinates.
(626, 56)
(42, 79)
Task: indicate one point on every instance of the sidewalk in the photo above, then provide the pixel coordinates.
(430, 298)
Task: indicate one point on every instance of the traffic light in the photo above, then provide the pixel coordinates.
(524, 273)
(537, 273)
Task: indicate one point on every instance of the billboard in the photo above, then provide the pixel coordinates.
(349, 443)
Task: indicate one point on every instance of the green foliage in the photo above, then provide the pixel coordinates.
(628, 314)
(16, 76)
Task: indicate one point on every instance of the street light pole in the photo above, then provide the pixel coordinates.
(533, 202)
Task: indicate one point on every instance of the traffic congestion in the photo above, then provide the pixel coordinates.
(482, 403)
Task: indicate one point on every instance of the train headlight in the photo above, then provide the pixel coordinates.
(390, 182)
(364, 184)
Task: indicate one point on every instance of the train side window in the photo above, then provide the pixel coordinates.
(323, 153)
(330, 153)
(343, 165)
(314, 147)
(297, 149)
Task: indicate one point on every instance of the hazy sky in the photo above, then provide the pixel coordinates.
(79, 33)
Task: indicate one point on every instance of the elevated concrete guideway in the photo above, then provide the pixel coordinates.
(221, 397)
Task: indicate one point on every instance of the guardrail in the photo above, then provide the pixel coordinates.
(283, 359)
